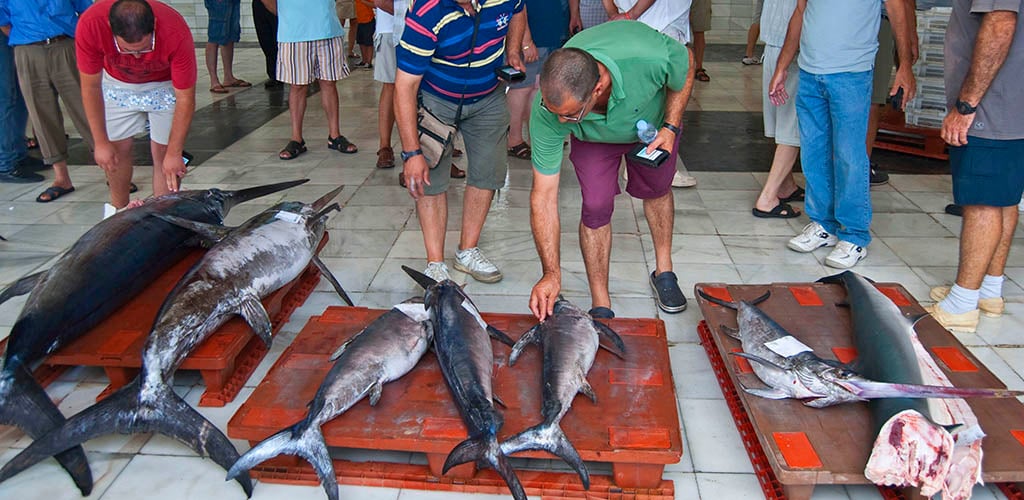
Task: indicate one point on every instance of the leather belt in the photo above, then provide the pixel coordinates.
(50, 41)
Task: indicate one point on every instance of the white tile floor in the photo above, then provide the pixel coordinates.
(716, 240)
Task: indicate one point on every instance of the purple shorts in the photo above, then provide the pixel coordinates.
(597, 168)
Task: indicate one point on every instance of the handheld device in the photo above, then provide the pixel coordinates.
(510, 74)
(897, 99)
(653, 159)
(186, 157)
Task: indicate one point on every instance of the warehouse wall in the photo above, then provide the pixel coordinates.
(729, 21)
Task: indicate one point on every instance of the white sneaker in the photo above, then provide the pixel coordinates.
(437, 271)
(683, 181)
(845, 255)
(812, 238)
(472, 262)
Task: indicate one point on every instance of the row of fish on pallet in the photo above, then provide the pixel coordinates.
(910, 449)
(108, 266)
(244, 265)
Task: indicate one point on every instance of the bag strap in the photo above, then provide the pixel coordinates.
(469, 62)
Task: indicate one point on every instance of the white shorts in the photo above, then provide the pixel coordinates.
(780, 121)
(384, 62)
(130, 106)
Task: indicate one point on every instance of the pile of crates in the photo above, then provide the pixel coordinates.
(928, 108)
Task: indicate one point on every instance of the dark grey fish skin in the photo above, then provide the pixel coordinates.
(103, 270)
(250, 262)
(384, 351)
(464, 353)
(570, 339)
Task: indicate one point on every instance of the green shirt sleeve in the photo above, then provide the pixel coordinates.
(678, 64)
(546, 136)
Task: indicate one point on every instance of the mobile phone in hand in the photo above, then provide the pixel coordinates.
(510, 74)
(897, 99)
(186, 157)
(654, 159)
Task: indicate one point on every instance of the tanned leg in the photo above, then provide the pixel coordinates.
(780, 177)
(329, 101)
(660, 214)
(475, 206)
(980, 236)
(596, 246)
(433, 214)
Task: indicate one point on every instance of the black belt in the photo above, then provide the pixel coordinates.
(50, 41)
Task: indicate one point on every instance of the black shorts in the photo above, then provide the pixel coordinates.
(988, 172)
(364, 33)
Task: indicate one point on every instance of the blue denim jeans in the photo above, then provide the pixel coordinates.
(13, 114)
(833, 113)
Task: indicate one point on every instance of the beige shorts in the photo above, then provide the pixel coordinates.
(346, 9)
(130, 106)
(385, 64)
(780, 122)
(700, 16)
(299, 63)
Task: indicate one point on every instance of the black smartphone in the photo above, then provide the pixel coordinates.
(897, 99)
(654, 159)
(186, 157)
(510, 74)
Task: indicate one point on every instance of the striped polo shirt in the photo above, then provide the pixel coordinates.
(436, 41)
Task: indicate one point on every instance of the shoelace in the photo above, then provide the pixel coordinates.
(476, 259)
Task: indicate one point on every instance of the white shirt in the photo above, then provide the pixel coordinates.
(671, 17)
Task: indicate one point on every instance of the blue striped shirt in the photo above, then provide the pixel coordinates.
(436, 41)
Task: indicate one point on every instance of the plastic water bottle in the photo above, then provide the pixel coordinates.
(645, 131)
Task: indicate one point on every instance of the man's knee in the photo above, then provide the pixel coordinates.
(597, 215)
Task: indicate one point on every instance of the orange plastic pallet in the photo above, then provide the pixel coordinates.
(634, 426)
(225, 360)
(840, 436)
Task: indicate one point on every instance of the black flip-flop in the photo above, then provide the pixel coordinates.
(797, 195)
(293, 149)
(781, 211)
(342, 145)
(54, 192)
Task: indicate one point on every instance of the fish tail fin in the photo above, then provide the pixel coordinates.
(549, 437)
(26, 405)
(486, 450)
(302, 439)
(122, 412)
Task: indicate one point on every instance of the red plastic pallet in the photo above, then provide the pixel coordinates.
(225, 360)
(634, 427)
(786, 474)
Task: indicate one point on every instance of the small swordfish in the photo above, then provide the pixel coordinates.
(570, 339)
(464, 353)
(385, 350)
(247, 263)
(798, 373)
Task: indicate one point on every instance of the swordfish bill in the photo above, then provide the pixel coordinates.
(103, 270)
(464, 353)
(385, 350)
(247, 264)
(570, 339)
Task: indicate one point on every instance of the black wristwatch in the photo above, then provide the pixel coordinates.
(409, 154)
(674, 129)
(964, 108)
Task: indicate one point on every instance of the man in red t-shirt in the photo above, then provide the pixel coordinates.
(138, 64)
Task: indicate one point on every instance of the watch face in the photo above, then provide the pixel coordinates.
(965, 109)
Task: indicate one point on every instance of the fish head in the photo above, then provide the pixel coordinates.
(847, 380)
(564, 306)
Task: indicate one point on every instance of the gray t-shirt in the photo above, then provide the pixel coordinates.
(1000, 111)
(839, 36)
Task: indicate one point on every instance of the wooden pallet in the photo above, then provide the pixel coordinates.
(225, 360)
(635, 426)
(895, 135)
(793, 447)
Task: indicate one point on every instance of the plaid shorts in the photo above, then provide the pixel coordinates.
(300, 63)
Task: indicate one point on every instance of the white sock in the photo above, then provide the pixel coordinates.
(960, 300)
(991, 287)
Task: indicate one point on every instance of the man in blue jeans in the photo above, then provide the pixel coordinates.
(837, 41)
(13, 118)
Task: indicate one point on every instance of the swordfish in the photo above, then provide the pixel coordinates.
(385, 350)
(570, 339)
(464, 352)
(792, 370)
(103, 270)
(248, 263)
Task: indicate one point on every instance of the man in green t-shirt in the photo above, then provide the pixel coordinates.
(599, 88)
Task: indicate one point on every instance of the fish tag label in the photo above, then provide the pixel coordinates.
(467, 305)
(294, 218)
(415, 312)
(787, 346)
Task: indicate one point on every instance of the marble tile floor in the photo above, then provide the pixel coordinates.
(716, 239)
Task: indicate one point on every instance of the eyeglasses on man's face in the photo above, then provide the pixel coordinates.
(572, 117)
(152, 45)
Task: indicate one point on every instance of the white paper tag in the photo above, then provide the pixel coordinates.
(108, 210)
(294, 218)
(415, 312)
(787, 346)
(467, 305)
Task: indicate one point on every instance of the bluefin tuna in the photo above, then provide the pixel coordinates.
(108, 266)
(790, 369)
(570, 339)
(464, 352)
(248, 263)
(385, 350)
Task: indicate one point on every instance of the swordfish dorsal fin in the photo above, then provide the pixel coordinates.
(251, 309)
(531, 336)
(209, 233)
(326, 273)
(323, 213)
(22, 286)
(733, 305)
(322, 202)
(500, 336)
(422, 279)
